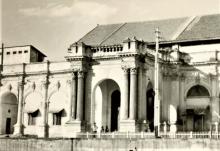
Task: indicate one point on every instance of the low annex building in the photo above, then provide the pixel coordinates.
(108, 78)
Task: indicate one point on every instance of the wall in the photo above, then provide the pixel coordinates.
(107, 145)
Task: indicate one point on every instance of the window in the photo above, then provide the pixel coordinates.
(25, 51)
(129, 45)
(19, 52)
(32, 118)
(14, 52)
(8, 53)
(76, 49)
(57, 118)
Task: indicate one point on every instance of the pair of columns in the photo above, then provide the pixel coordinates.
(77, 96)
(129, 99)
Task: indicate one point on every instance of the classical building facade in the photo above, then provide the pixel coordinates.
(108, 78)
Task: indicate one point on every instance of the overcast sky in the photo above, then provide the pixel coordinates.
(52, 25)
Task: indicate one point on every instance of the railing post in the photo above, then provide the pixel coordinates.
(210, 134)
(113, 135)
(99, 134)
(191, 134)
(142, 134)
(216, 129)
(87, 135)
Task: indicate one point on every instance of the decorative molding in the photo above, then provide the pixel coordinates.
(58, 85)
(9, 87)
(69, 82)
(33, 86)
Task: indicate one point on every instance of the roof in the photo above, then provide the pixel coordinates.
(31, 46)
(178, 29)
(203, 27)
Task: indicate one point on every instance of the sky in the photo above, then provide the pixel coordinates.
(53, 25)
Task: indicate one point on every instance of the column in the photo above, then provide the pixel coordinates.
(69, 83)
(133, 93)
(80, 96)
(73, 97)
(19, 125)
(45, 104)
(124, 101)
(174, 103)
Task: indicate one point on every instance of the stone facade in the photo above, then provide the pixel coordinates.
(113, 86)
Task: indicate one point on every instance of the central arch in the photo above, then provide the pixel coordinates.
(106, 105)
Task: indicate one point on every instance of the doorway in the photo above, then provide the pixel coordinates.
(8, 126)
(115, 109)
(150, 109)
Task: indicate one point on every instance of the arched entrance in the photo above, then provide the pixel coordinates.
(9, 110)
(106, 105)
(197, 108)
(115, 107)
(150, 106)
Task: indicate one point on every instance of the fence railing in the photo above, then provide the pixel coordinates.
(150, 135)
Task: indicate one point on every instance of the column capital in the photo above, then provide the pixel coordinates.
(73, 75)
(21, 83)
(45, 84)
(81, 74)
(133, 71)
(126, 70)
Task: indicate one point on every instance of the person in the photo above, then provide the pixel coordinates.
(106, 129)
(94, 128)
(102, 129)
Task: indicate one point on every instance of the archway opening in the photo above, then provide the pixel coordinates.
(106, 105)
(115, 109)
(9, 109)
(197, 109)
(150, 108)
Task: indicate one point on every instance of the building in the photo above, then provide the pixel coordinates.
(108, 78)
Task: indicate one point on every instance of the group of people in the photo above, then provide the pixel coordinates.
(102, 130)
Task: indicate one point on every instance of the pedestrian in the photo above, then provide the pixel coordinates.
(106, 129)
(94, 128)
(102, 129)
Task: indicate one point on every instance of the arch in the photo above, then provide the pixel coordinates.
(8, 98)
(189, 86)
(9, 111)
(197, 90)
(197, 108)
(101, 107)
(33, 99)
(58, 103)
(57, 99)
(150, 105)
(115, 106)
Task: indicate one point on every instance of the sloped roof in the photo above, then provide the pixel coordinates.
(171, 29)
(202, 28)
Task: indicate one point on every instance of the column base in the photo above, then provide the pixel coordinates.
(71, 129)
(18, 130)
(173, 128)
(128, 126)
(43, 131)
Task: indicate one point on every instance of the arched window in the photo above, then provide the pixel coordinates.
(198, 90)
